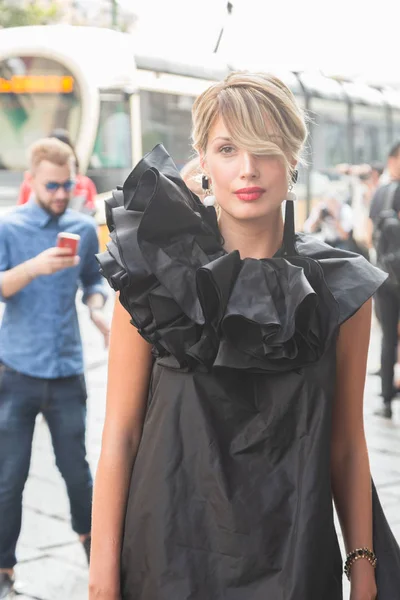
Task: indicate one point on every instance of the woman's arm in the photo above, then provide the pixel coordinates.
(351, 479)
(128, 381)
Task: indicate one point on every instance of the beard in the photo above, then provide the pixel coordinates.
(54, 208)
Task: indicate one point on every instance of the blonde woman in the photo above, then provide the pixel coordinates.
(235, 401)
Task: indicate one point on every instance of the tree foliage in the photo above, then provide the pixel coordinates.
(30, 13)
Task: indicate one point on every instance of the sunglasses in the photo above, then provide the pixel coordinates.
(53, 186)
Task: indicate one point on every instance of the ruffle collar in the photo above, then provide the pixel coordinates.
(200, 305)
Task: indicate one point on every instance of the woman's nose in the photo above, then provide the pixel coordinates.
(249, 169)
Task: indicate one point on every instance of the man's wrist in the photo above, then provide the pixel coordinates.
(30, 269)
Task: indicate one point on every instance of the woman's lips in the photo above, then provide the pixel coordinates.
(249, 194)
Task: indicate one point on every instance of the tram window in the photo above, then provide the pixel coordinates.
(326, 148)
(113, 147)
(166, 119)
(328, 133)
(369, 134)
(396, 126)
(37, 95)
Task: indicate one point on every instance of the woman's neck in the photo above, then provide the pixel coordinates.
(260, 238)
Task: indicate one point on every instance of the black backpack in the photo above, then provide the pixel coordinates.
(387, 235)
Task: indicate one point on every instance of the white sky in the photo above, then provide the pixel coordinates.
(336, 36)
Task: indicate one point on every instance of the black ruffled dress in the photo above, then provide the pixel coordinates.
(230, 496)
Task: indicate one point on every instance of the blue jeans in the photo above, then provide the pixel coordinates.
(63, 404)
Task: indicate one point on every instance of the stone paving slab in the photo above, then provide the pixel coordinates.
(47, 497)
(41, 532)
(52, 578)
(28, 553)
(72, 554)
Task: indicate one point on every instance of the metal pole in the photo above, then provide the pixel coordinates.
(350, 132)
(389, 125)
(229, 8)
(310, 146)
(310, 166)
(114, 14)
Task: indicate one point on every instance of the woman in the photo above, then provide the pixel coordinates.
(234, 405)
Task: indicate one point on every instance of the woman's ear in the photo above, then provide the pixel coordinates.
(203, 163)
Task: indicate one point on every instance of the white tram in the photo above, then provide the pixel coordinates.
(117, 103)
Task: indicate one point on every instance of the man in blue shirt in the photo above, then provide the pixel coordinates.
(41, 363)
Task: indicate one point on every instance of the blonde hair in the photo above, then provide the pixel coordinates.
(259, 111)
(52, 150)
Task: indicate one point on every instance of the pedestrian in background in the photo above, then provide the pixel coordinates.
(374, 180)
(84, 192)
(41, 363)
(385, 228)
(331, 220)
(235, 403)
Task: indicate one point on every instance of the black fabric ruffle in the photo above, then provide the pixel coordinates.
(197, 303)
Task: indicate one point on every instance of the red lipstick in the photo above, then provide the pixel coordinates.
(250, 194)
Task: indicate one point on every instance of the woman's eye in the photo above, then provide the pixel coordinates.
(226, 150)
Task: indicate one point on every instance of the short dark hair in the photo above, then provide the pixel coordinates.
(63, 136)
(395, 150)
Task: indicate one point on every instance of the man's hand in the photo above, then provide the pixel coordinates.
(97, 316)
(47, 262)
(51, 261)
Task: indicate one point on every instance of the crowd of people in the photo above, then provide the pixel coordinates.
(363, 218)
(236, 367)
(341, 217)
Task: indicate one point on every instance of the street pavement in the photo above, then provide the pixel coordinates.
(52, 564)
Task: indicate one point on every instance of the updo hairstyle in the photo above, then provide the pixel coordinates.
(260, 113)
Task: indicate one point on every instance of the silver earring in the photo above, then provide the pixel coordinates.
(209, 198)
(291, 195)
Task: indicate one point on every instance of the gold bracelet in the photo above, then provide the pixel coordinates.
(355, 555)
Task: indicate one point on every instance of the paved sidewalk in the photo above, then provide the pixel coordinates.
(51, 561)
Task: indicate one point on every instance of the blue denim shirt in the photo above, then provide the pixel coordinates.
(39, 334)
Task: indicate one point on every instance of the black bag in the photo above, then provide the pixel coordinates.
(387, 236)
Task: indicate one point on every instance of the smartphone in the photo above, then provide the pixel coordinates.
(68, 240)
